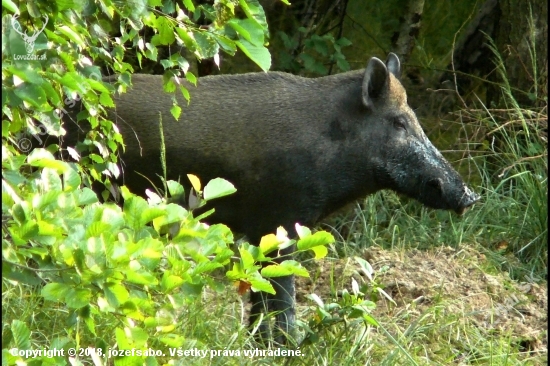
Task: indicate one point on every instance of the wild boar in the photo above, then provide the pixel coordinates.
(296, 149)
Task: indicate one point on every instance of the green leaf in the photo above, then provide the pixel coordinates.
(207, 45)
(311, 64)
(174, 213)
(247, 258)
(55, 291)
(96, 229)
(184, 90)
(47, 230)
(151, 52)
(371, 320)
(319, 44)
(254, 11)
(21, 212)
(43, 158)
(176, 111)
(286, 268)
(236, 273)
(8, 4)
(166, 32)
(21, 275)
(116, 294)
(78, 298)
(205, 267)
(317, 239)
(261, 284)
(344, 42)
(269, 243)
(21, 334)
(137, 336)
(302, 231)
(150, 252)
(342, 63)
(27, 74)
(52, 94)
(32, 94)
(90, 324)
(259, 54)
(249, 30)
(85, 196)
(74, 82)
(122, 339)
(189, 5)
(170, 282)
(172, 340)
(218, 187)
(133, 207)
(72, 35)
(192, 290)
(320, 252)
(188, 40)
(227, 44)
(316, 242)
(51, 181)
(149, 214)
(174, 188)
(96, 158)
(106, 100)
(275, 270)
(28, 230)
(71, 180)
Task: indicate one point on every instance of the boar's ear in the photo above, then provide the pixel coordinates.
(375, 81)
(393, 64)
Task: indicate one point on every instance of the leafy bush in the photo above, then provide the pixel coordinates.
(125, 274)
(139, 264)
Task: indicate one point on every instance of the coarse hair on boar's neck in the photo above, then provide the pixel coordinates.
(296, 149)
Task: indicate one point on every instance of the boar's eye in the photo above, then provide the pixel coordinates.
(399, 123)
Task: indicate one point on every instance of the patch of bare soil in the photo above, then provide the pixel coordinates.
(416, 280)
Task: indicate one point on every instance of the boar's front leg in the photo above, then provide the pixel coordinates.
(282, 304)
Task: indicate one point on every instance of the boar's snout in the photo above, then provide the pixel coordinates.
(468, 198)
(459, 201)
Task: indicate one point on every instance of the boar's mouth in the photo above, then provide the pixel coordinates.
(467, 201)
(440, 196)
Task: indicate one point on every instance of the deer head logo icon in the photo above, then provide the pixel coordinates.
(29, 39)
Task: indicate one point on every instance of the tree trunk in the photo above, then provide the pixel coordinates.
(518, 29)
(404, 40)
(521, 39)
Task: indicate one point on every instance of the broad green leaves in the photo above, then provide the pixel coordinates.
(259, 54)
(316, 242)
(218, 187)
(252, 41)
(140, 263)
(285, 268)
(246, 269)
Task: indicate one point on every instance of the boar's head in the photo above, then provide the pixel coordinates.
(404, 159)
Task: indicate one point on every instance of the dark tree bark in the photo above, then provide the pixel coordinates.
(519, 30)
(522, 39)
